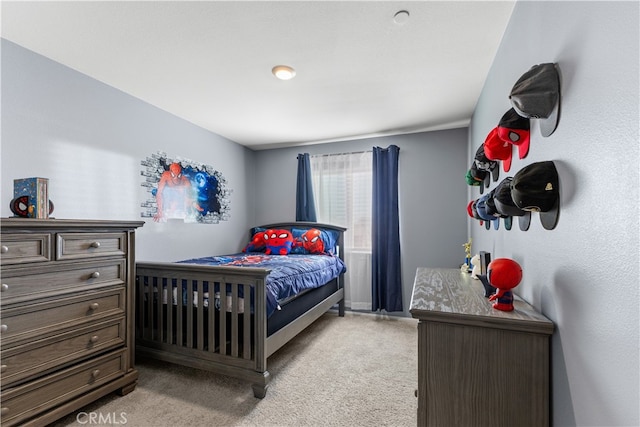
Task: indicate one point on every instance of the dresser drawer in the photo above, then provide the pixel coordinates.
(23, 402)
(35, 321)
(37, 357)
(60, 278)
(22, 248)
(90, 245)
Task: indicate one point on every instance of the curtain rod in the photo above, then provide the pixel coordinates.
(342, 154)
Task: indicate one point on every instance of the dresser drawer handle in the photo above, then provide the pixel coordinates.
(4, 328)
(95, 373)
(5, 249)
(94, 306)
(95, 245)
(3, 368)
(4, 411)
(4, 287)
(94, 339)
(95, 274)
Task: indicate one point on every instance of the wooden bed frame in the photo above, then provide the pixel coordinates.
(236, 342)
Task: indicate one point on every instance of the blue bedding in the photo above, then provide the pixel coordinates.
(290, 274)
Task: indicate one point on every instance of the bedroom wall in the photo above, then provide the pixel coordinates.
(584, 274)
(89, 138)
(432, 224)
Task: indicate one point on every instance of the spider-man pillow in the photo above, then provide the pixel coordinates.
(314, 241)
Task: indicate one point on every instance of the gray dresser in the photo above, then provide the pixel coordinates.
(67, 315)
(478, 366)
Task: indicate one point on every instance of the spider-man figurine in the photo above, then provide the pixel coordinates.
(504, 274)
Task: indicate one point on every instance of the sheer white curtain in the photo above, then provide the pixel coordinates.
(342, 191)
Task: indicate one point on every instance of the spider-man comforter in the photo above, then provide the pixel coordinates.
(290, 274)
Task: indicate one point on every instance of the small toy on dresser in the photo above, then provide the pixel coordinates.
(31, 198)
(475, 266)
(466, 267)
(503, 274)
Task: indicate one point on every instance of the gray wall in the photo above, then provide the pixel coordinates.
(89, 138)
(432, 206)
(584, 274)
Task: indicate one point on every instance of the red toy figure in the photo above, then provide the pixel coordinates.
(504, 274)
(257, 243)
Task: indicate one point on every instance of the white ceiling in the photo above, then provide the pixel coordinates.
(359, 73)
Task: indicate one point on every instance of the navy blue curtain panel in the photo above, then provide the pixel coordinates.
(305, 206)
(386, 278)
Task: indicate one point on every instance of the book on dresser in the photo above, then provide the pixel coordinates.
(67, 315)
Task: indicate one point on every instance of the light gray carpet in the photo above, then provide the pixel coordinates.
(360, 370)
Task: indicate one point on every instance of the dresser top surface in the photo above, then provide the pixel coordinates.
(13, 223)
(450, 295)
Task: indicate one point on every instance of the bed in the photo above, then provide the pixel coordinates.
(229, 313)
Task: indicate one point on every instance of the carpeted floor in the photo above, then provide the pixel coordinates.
(360, 370)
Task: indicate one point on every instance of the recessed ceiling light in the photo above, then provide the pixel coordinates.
(283, 72)
(401, 17)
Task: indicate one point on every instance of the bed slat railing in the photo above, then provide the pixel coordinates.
(203, 312)
(188, 329)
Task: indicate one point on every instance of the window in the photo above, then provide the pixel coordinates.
(342, 191)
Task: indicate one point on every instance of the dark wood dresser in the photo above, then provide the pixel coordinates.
(67, 315)
(478, 366)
